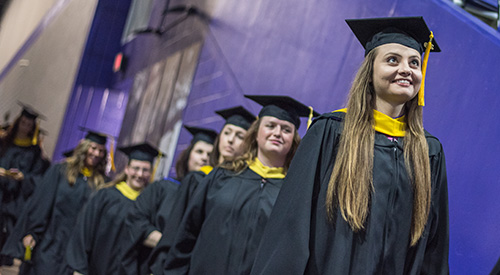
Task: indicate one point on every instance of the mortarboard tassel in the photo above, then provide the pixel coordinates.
(27, 253)
(112, 153)
(311, 114)
(157, 162)
(421, 101)
(34, 141)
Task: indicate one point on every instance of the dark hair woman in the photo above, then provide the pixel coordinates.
(224, 221)
(21, 164)
(228, 145)
(367, 190)
(46, 224)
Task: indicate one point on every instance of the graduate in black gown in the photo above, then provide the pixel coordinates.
(152, 210)
(96, 244)
(49, 218)
(22, 163)
(224, 221)
(228, 146)
(367, 190)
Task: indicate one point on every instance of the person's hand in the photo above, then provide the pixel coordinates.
(3, 172)
(29, 241)
(16, 174)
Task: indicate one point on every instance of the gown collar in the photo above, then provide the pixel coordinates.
(265, 171)
(86, 172)
(206, 169)
(22, 142)
(394, 127)
(127, 191)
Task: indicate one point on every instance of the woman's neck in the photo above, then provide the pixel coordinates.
(270, 161)
(392, 110)
(21, 136)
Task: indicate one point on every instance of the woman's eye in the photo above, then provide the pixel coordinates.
(415, 63)
(392, 60)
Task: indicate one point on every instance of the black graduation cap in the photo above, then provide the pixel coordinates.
(283, 107)
(408, 31)
(29, 112)
(238, 116)
(206, 135)
(143, 151)
(68, 153)
(94, 136)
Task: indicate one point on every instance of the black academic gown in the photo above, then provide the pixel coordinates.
(150, 212)
(300, 240)
(186, 190)
(496, 268)
(223, 224)
(50, 217)
(14, 194)
(96, 244)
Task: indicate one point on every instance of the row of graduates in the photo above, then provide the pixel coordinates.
(366, 192)
(72, 229)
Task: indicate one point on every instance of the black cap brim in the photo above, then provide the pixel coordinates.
(373, 32)
(97, 137)
(201, 134)
(142, 152)
(30, 112)
(282, 107)
(238, 116)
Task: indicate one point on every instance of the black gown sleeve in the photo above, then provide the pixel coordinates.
(284, 247)
(39, 209)
(437, 247)
(183, 196)
(83, 236)
(140, 222)
(178, 259)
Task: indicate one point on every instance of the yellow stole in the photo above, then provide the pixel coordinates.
(22, 142)
(206, 169)
(265, 171)
(394, 127)
(86, 172)
(127, 191)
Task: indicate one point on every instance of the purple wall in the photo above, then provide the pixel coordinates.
(305, 49)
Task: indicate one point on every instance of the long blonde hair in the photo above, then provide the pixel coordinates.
(76, 163)
(250, 149)
(351, 181)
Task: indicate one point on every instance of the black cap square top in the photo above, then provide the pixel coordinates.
(408, 31)
(238, 116)
(282, 107)
(203, 134)
(30, 112)
(99, 138)
(143, 151)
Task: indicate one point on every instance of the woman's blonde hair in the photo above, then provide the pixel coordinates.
(76, 163)
(250, 149)
(351, 181)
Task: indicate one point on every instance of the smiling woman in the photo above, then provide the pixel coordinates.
(47, 223)
(224, 221)
(367, 190)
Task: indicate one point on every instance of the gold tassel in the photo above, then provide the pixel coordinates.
(34, 141)
(157, 162)
(112, 153)
(311, 113)
(27, 254)
(421, 101)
